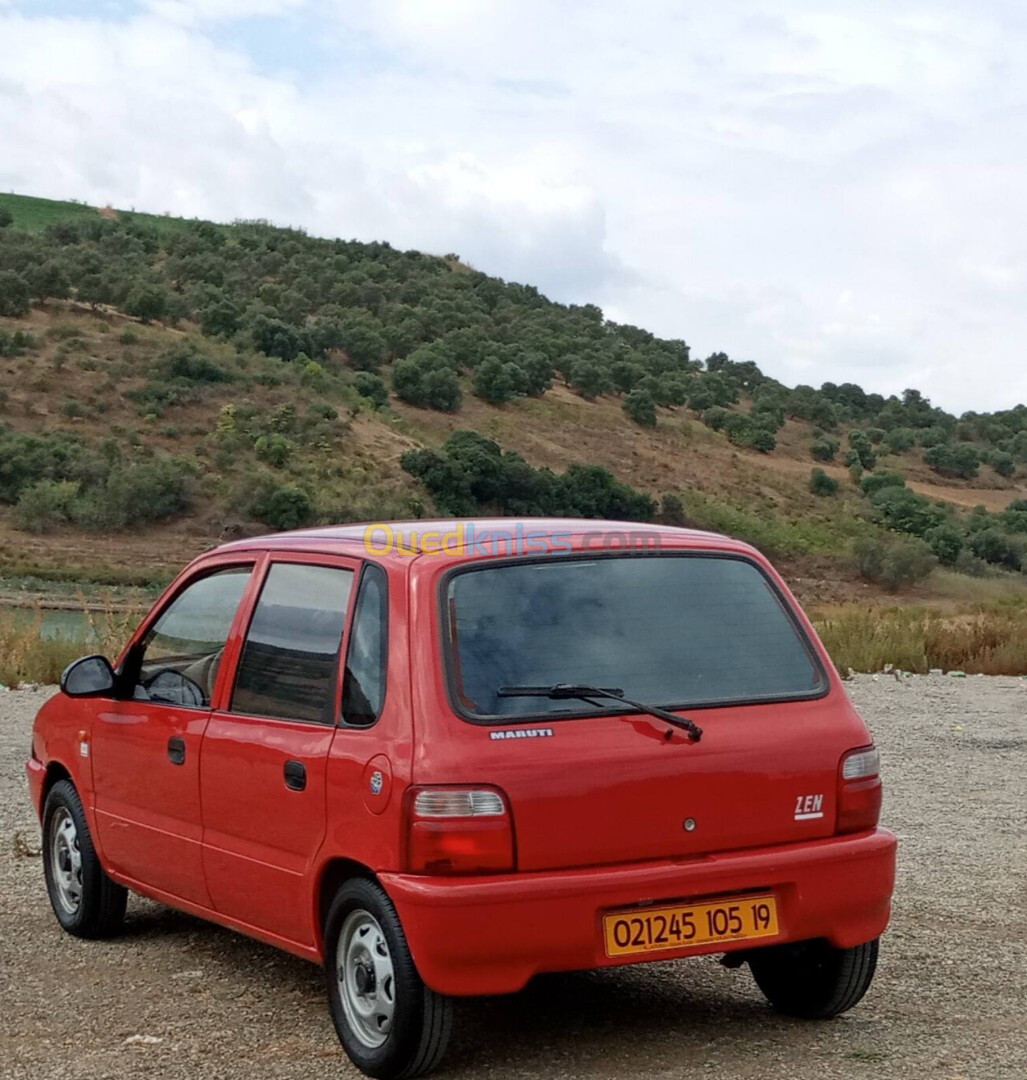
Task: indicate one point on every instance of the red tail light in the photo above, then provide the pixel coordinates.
(859, 790)
(458, 830)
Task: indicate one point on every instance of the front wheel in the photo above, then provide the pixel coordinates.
(85, 900)
(812, 979)
(389, 1023)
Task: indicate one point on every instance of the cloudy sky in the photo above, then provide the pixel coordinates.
(835, 190)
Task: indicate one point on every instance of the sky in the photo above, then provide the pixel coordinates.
(836, 190)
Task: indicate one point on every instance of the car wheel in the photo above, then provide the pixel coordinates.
(84, 899)
(388, 1021)
(813, 979)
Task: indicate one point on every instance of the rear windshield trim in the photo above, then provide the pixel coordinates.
(507, 720)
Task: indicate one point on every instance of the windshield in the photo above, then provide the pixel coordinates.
(680, 631)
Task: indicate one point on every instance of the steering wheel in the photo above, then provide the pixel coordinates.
(167, 684)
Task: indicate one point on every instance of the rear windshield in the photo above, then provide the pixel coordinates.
(678, 631)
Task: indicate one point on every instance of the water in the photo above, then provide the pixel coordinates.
(72, 625)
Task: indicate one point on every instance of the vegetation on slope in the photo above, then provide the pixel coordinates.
(161, 370)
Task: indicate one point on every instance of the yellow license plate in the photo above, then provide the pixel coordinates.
(646, 930)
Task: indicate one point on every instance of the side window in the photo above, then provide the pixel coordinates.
(363, 691)
(182, 650)
(291, 655)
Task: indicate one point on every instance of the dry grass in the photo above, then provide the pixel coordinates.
(983, 640)
(29, 656)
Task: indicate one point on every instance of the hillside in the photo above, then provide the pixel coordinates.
(165, 383)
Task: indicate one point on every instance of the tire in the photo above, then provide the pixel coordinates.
(84, 899)
(389, 1023)
(812, 979)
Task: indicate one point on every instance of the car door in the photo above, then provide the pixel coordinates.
(145, 748)
(264, 755)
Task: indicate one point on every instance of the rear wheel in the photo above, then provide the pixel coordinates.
(813, 979)
(84, 899)
(388, 1021)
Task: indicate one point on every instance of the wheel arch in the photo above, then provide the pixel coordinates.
(330, 877)
(55, 772)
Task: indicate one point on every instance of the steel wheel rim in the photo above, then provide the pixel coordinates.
(366, 978)
(66, 861)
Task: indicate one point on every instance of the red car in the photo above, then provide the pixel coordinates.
(442, 757)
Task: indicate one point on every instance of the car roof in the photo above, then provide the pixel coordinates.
(353, 539)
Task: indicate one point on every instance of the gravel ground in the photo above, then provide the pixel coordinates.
(177, 997)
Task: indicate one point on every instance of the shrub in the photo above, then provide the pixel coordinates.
(640, 407)
(996, 548)
(953, 459)
(822, 484)
(136, 494)
(899, 440)
(1003, 463)
(283, 507)
(186, 362)
(861, 448)
(425, 379)
(372, 387)
(875, 435)
(875, 482)
(45, 506)
(274, 449)
(497, 381)
(905, 511)
(946, 542)
(824, 448)
(893, 564)
(147, 302)
(14, 294)
(715, 417)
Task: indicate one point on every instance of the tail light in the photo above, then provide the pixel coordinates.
(859, 790)
(458, 830)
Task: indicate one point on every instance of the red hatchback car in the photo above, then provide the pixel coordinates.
(440, 758)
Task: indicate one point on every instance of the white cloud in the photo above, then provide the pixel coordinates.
(835, 195)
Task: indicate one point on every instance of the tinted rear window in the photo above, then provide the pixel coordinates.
(667, 630)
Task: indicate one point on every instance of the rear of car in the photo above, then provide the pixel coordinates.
(549, 832)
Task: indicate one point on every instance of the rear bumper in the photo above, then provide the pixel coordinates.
(490, 935)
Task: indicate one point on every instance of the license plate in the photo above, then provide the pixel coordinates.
(647, 930)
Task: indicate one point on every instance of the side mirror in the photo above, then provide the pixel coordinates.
(92, 676)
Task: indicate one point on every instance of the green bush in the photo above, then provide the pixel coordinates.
(372, 387)
(14, 294)
(45, 506)
(824, 448)
(1003, 463)
(640, 407)
(946, 541)
(905, 511)
(898, 440)
(996, 548)
(874, 482)
(822, 484)
(282, 507)
(136, 494)
(894, 564)
(953, 459)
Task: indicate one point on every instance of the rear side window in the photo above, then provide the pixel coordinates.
(666, 630)
(290, 658)
(364, 688)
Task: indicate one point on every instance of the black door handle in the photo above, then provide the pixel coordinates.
(176, 750)
(295, 775)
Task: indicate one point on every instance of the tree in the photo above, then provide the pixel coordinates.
(640, 407)
(893, 563)
(1003, 463)
(147, 302)
(861, 446)
(905, 511)
(953, 459)
(590, 379)
(899, 440)
(822, 484)
(994, 547)
(497, 382)
(283, 507)
(372, 387)
(946, 542)
(49, 281)
(6, 217)
(14, 294)
(824, 448)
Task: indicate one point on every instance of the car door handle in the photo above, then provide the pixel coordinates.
(176, 750)
(295, 775)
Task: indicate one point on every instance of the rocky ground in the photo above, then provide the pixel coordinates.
(176, 997)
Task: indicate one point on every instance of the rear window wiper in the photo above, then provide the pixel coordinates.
(563, 691)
